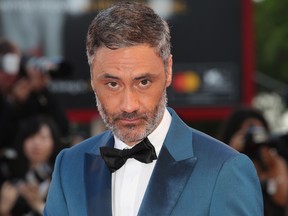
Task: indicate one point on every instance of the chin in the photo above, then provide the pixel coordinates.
(130, 137)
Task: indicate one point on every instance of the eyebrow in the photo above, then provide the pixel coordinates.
(146, 75)
(108, 76)
(142, 76)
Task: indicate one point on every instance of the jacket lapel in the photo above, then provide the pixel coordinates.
(172, 170)
(97, 183)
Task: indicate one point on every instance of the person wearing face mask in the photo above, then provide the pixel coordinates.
(9, 68)
(23, 93)
(9, 76)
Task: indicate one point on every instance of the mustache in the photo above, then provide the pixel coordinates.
(132, 115)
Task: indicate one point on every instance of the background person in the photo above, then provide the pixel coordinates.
(247, 130)
(38, 144)
(23, 94)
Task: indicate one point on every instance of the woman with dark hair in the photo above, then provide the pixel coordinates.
(239, 119)
(247, 131)
(37, 146)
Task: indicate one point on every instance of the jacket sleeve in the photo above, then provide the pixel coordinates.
(237, 190)
(56, 203)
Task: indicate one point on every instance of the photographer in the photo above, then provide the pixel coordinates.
(247, 131)
(23, 94)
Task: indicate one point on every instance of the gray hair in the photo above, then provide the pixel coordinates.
(125, 24)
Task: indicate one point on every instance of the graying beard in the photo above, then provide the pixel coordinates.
(157, 118)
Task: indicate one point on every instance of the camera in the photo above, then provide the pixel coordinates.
(255, 139)
(7, 156)
(56, 67)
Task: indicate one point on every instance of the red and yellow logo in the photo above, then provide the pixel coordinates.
(186, 82)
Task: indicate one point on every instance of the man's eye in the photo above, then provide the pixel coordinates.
(145, 82)
(112, 84)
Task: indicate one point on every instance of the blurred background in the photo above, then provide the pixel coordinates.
(227, 55)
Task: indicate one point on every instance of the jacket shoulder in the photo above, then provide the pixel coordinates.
(91, 143)
(206, 146)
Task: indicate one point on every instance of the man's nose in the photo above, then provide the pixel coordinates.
(130, 101)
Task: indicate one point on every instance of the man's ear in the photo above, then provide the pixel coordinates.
(169, 71)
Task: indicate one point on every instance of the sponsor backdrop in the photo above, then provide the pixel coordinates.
(211, 45)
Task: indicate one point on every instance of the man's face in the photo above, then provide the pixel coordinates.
(130, 87)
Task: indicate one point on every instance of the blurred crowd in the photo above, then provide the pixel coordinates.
(34, 128)
(247, 131)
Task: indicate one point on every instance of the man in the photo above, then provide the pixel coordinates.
(128, 49)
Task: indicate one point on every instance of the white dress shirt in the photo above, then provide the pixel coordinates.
(129, 183)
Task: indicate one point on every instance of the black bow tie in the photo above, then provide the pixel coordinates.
(115, 158)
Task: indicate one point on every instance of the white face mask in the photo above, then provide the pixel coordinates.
(10, 63)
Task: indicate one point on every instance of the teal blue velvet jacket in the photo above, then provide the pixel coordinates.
(194, 175)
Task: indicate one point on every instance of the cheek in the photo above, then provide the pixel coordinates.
(27, 147)
(47, 148)
(236, 142)
(152, 98)
(149, 101)
(109, 103)
(38, 152)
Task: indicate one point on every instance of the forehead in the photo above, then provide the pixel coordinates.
(140, 57)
